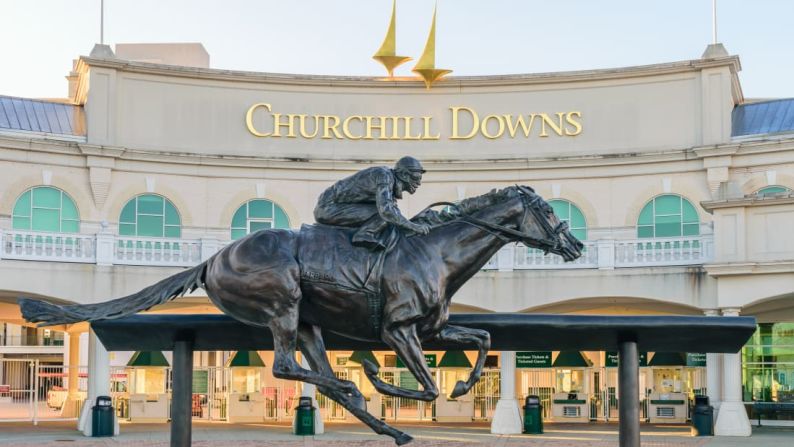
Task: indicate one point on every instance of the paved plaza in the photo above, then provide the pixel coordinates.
(52, 434)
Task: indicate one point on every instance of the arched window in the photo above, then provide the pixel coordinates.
(150, 215)
(44, 208)
(770, 190)
(568, 212)
(668, 215)
(256, 215)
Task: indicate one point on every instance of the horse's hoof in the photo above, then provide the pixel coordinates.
(460, 390)
(370, 368)
(403, 438)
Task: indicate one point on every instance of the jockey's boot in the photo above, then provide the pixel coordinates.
(368, 235)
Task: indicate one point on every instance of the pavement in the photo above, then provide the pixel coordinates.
(212, 434)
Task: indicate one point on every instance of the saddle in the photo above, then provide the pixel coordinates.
(326, 255)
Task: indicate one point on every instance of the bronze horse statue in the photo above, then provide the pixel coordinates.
(261, 280)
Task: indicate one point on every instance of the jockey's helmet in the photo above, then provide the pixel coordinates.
(409, 171)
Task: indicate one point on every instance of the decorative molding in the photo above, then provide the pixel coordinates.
(150, 184)
(46, 177)
(99, 179)
(261, 191)
(749, 268)
(711, 205)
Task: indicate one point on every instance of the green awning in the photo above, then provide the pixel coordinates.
(360, 356)
(668, 359)
(571, 359)
(245, 358)
(148, 358)
(454, 359)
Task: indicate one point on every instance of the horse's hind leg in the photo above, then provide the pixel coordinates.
(313, 349)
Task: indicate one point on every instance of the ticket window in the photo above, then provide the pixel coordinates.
(570, 380)
(668, 380)
(246, 380)
(149, 380)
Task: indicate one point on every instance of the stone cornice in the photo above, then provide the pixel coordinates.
(452, 82)
(749, 268)
(748, 201)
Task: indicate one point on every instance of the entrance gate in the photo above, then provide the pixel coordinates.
(402, 409)
(486, 394)
(32, 392)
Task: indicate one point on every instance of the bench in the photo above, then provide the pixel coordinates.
(760, 408)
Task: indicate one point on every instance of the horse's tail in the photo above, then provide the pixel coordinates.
(47, 314)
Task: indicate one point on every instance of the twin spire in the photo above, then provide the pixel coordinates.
(425, 67)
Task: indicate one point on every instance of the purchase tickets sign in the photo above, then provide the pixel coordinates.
(611, 360)
(695, 359)
(265, 120)
(533, 359)
(430, 361)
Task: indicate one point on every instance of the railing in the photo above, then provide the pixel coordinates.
(157, 251)
(21, 340)
(35, 246)
(109, 249)
(608, 254)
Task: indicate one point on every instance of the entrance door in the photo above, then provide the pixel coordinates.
(538, 382)
(486, 394)
(17, 389)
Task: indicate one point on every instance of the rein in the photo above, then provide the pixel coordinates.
(530, 206)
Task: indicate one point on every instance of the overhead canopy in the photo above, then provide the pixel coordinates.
(668, 359)
(571, 359)
(360, 356)
(509, 332)
(148, 358)
(245, 358)
(454, 359)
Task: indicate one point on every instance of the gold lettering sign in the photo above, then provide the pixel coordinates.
(465, 123)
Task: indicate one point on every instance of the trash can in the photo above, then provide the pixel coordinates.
(702, 417)
(533, 416)
(102, 417)
(304, 417)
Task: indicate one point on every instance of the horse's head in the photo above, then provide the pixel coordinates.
(542, 229)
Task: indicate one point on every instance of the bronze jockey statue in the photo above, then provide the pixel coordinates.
(368, 200)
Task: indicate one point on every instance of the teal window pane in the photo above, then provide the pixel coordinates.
(772, 190)
(561, 209)
(237, 234)
(691, 229)
(126, 229)
(668, 204)
(46, 197)
(674, 219)
(261, 209)
(150, 204)
(173, 231)
(150, 226)
(580, 234)
(646, 215)
(171, 216)
(645, 231)
(68, 209)
(577, 218)
(690, 215)
(667, 229)
(45, 219)
(256, 226)
(128, 212)
(70, 226)
(281, 220)
(22, 207)
(21, 223)
(239, 219)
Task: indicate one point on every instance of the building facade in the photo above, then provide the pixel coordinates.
(678, 186)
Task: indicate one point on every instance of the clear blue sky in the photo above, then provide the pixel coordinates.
(39, 38)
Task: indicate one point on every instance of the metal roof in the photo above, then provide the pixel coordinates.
(35, 115)
(767, 117)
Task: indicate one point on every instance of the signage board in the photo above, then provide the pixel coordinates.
(430, 360)
(533, 359)
(201, 382)
(611, 360)
(695, 359)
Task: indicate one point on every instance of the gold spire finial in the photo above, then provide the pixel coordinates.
(426, 66)
(387, 54)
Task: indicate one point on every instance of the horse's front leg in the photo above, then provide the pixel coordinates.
(464, 335)
(404, 341)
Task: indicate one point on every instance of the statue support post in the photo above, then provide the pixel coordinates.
(629, 386)
(182, 393)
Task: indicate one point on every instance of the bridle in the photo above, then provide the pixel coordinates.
(533, 204)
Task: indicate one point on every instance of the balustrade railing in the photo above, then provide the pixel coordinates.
(109, 249)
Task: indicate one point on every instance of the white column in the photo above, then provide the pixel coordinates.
(732, 419)
(310, 390)
(98, 382)
(72, 361)
(507, 416)
(714, 372)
